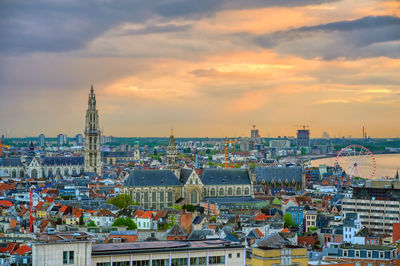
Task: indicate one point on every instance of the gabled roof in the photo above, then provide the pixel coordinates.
(184, 175)
(150, 178)
(8, 248)
(143, 214)
(22, 250)
(198, 220)
(176, 230)
(6, 203)
(225, 177)
(267, 174)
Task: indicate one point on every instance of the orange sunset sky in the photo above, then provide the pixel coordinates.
(206, 68)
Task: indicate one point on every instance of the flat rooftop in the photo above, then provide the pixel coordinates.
(160, 246)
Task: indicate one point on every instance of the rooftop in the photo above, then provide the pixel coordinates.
(161, 246)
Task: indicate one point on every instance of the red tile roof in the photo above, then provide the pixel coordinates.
(63, 208)
(4, 186)
(6, 203)
(143, 214)
(22, 250)
(286, 230)
(9, 248)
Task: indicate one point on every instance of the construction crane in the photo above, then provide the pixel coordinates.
(5, 147)
(227, 142)
(31, 204)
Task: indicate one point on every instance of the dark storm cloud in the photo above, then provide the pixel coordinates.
(365, 37)
(54, 26)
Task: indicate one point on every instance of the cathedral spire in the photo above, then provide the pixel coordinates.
(92, 137)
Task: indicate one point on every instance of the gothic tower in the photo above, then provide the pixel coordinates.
(92, 137)
(172, 155)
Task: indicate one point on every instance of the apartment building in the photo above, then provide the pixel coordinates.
(378, 203)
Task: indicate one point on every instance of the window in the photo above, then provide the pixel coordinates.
(345, 253)
(162, 262)
(121, 263)
(369, 254)
(179, 262)
(216, 260)
(381, 254)
(230, 255)
(103, 264)
(381, 264)
(238, 191)
(357, 253)
(68, 257)
(198, 261)
(238, 255)
(369, 264)
(358, 264)
(221, 192)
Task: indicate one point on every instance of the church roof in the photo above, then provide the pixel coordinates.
(275, 173)
(225, 177)
(63, 161)
(185, 174)
(12, 162)
(145, 178)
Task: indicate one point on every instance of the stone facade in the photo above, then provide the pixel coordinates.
(92, 137)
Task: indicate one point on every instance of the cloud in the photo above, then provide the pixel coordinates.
(56, 26)
(364, 37)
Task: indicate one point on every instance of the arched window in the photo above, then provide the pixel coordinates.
(194, 197)
(14, 173)
(66, 172)
(21, 173)
(230, 191)
(34, 173)
(221, 192)
(212, 192)
(82, 170)
(74, 172)
(238, 191)
(58, 172)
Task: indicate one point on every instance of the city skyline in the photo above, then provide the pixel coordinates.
(206, 69)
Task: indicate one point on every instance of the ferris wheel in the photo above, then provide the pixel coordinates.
(357, 160)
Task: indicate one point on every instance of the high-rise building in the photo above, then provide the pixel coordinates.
(79, 139)
(60, 140)
(92, 137)
(65, 139)
(41, 140)
(254, 132)
(303, 137)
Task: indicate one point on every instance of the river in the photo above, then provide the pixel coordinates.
(386, 164)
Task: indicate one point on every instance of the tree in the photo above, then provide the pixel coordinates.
(288, 220)
(213, 219)
(122, 201)
(91, 223)
(125, 221)
(189, 207)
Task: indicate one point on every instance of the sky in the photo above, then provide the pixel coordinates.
(206, 68)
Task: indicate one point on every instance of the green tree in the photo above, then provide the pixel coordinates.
(189, 207)
(213, 219)
(122, 201)
(125, 221)
(288, 220)
(91, 223)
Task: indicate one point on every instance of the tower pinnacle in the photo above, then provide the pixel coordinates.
(92, 137)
